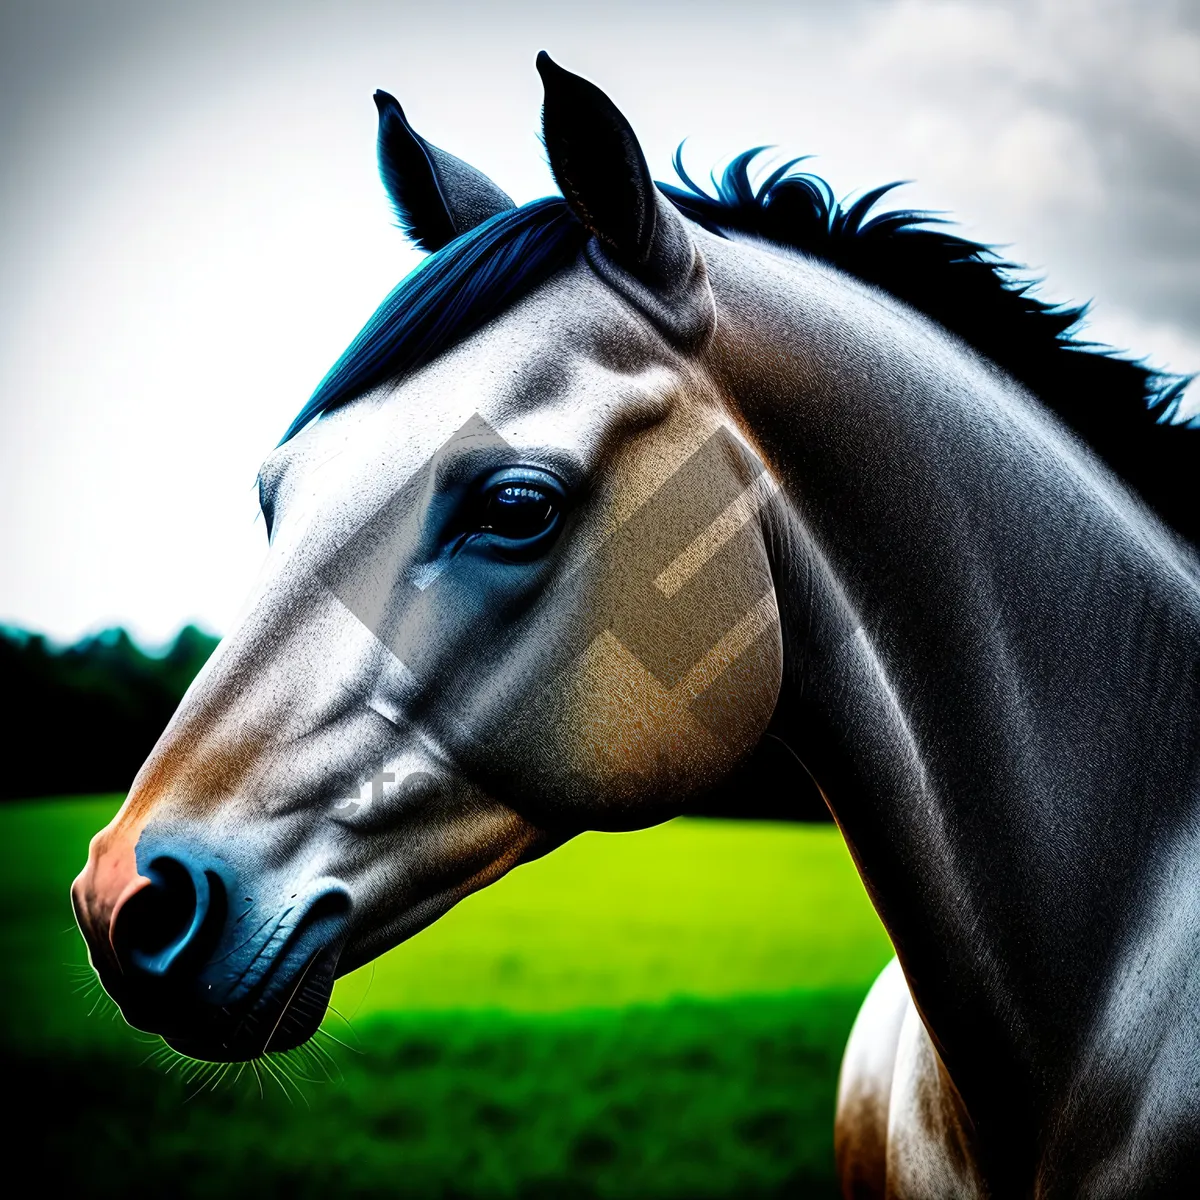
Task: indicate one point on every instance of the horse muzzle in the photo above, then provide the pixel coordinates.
(223, 968)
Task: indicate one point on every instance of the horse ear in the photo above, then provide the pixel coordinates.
(641, 245)
(434, 195)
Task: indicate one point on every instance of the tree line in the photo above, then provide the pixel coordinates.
(83, 718)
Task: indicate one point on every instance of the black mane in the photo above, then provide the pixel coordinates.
(1123, 409)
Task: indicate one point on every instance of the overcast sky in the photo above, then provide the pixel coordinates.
(191, 228)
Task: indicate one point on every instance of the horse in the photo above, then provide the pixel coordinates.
(615, 495)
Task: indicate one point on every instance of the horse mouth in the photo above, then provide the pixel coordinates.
(213, 991)
(283, 1017)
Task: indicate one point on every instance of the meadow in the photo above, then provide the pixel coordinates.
(657, 1014)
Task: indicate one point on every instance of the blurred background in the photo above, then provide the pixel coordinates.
(192, 231)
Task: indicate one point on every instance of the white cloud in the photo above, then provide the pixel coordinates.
(192, 230)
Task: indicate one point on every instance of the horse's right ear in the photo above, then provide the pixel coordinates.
(434, 195)
(640, 245)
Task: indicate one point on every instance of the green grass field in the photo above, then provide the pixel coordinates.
(658, 1014)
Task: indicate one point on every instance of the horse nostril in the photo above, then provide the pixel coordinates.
(176, 916)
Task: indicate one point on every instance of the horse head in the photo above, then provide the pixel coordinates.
(518, 586)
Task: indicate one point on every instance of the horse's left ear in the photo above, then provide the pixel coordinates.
(435, 196)
(640, 244)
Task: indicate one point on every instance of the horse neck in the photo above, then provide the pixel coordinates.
(991, 659)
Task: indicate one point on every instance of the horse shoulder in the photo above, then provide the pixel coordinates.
(900, 1132)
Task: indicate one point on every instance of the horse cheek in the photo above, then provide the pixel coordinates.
(631, 741)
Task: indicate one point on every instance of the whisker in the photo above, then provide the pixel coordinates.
(156, 1055)
(313, 1063)
(203, 1075)
(288, 1003)
(174, 1060)
(323, 1032)
(323, 1055)
(345, 1020)
(274, 1073)
(363, 997)
(296, 1072)
(313, 1054)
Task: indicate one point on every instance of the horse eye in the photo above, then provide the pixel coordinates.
(518, 511)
